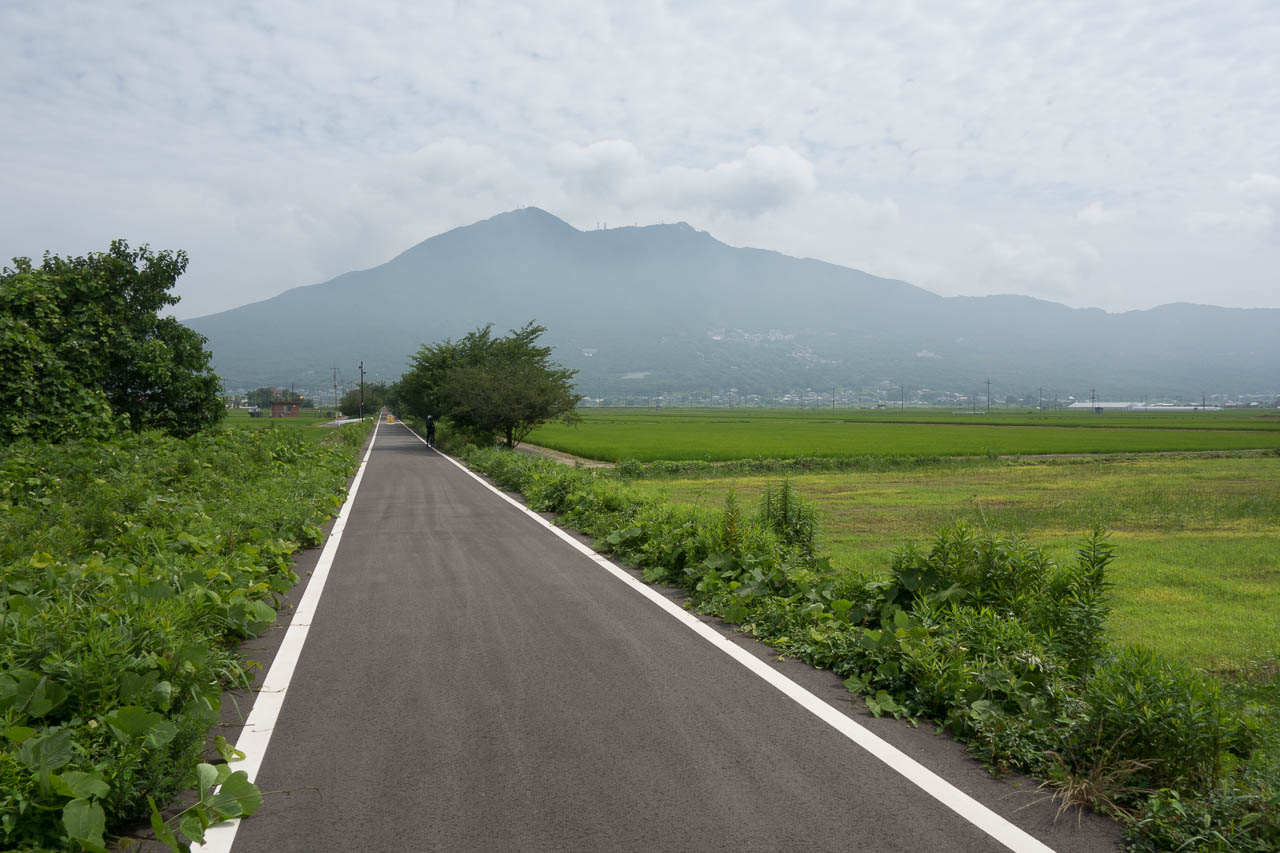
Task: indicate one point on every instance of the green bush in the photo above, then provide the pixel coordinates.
(1173, 721)
(130, 570)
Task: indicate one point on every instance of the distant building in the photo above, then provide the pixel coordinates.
(281, 409)
(1101, 407)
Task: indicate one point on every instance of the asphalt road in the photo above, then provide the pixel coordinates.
(473, 682)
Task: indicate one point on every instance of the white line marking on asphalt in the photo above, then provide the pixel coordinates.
(931, 783)
(256, 735)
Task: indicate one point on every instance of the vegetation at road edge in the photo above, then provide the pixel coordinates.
(992, 638)
(130, 570)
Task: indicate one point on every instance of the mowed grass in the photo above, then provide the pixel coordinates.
(1198, 540)
(721, 435)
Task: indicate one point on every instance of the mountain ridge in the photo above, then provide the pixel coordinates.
(610, 297)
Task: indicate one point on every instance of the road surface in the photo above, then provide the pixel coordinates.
(471, 681)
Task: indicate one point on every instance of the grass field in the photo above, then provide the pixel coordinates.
(720, 434)
(1198, 571)
(311, 423)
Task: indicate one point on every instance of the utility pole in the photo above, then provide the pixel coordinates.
(1040, 408)
(988, 396)
(361, 392)
(335, 391)
(833, 399)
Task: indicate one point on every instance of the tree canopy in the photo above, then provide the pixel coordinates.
(83, 348)
(497, 385)
(375, 395)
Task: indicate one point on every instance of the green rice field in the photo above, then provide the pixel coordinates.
(725, 434)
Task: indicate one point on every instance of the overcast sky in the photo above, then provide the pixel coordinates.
(1119, 155)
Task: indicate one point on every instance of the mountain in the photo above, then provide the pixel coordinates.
(667, 308)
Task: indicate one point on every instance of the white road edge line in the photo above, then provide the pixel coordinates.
(256, 736)
(931, 783)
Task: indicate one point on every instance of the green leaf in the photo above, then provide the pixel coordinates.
(45, 753)
(37, 695)
(131, 723)
(85, 822)
(260, 611)
(18, 734)
(134, 684)
(855, 684)
(76, 783)
(164, 833)
(238, 797)
(193, 825)
(206, 778)
(228, 752)
(886, 703)
(161, 733)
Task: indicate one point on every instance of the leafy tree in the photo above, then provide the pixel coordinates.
(497, 385)
(375, 395)
(83, 348)
(262, 397)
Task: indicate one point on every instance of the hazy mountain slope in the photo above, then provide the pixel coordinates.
(691, 313)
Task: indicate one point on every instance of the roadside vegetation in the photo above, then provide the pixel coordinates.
(1199, 573)
(130, 570)
(140, 543)
(726, 435)
(1001, 643)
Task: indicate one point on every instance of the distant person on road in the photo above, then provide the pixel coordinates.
(431, 431)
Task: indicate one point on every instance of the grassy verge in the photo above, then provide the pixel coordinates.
(1199, 574)
(130, 570)
(995, 640)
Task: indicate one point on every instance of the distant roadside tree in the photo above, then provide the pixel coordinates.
(83, 348)
(262, 397)
(375, 395)
(500, 386)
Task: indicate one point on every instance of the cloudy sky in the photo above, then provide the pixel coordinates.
(1119, 155)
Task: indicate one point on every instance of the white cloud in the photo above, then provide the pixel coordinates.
(1256, 218)
(1098, 214)
(614, 170)
(1257, 184)
(1021, 263)
(609, 168)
